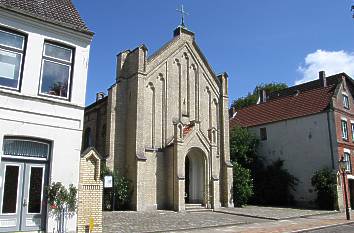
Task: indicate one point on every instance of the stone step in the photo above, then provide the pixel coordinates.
(194, 205)
(197, 208)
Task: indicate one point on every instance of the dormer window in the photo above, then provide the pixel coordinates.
(345, 101)
(11, 59)
(56, 71)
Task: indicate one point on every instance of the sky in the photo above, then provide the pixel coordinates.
(253, 41)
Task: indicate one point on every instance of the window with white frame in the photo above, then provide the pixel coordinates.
(345, 101)
(12, 46)
(344, 129)
(56, 70)
(352, 127)
(348, 164)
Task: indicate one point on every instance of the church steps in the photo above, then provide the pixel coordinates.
(197, 208)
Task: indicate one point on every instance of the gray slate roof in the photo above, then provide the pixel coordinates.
(60, 12)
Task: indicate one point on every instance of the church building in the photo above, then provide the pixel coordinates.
(165, 126)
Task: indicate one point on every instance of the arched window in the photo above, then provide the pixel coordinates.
(87, 139)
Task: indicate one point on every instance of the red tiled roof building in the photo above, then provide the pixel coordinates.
(310, 126)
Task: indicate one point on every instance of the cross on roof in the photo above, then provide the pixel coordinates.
(183, 13)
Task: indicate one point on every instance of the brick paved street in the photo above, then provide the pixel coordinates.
(275, 213)
(162, 221)
(348, 228)
(287, 220)
(303, 224)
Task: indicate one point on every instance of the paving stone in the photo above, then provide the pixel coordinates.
(275, 213)
(162, 221)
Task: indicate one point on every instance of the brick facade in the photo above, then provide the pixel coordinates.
(161, 109)
(341, 113)
(90, 192)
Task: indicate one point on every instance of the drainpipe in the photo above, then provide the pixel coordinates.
(330, 137)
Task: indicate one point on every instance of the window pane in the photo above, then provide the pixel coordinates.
(55, 79)
(344, 130)
(35, 190)
(12, 40)
(9, 68)
(345, 101)
(9, 200)
(57, 52)
(25, 148)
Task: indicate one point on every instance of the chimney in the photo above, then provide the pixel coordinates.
(323, 79)
(99, 96)
(262, 96)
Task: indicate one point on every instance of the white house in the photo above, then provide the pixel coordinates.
(309, 126)
(44, 52)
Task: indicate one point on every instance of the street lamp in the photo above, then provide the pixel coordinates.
(343, 168)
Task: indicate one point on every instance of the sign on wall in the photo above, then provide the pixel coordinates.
(108, 182)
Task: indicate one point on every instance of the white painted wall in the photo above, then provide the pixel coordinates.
(25, 113)
(304, 144)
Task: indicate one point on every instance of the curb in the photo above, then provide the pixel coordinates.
(321, 227)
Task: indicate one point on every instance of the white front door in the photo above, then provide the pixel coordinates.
(22, 205)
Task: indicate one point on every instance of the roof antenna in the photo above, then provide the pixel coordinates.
(183, 13)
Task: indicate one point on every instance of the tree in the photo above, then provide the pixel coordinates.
(252, 97)
(243, 147)
(242, 185)
(325, 183)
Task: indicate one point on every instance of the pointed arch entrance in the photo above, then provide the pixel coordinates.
(195, 173)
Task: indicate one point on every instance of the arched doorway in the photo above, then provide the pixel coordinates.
(195, 167)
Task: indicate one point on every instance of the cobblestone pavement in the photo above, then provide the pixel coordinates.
(163, 221)
(348, 228)
(274, 213)
(303, 224)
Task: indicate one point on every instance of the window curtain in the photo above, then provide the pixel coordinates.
(25, 148)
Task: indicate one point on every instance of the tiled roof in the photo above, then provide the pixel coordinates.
(60, 12)
(297, 101)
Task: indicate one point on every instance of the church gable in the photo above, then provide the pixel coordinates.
(182, 47)
(178, 84)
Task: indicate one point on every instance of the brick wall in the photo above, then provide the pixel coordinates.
(90, 193)
(347, 114)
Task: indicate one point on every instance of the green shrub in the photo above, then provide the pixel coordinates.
(60, 198)
(121, 190)
(243, 147)
(242, 185)
(325, 184)
(273, 185)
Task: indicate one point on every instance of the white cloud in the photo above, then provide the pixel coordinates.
(332, 62)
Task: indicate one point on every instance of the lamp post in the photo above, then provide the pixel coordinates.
(343, 166)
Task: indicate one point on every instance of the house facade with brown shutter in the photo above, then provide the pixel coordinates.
(310, 126)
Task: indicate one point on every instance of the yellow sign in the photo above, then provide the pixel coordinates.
(91, 224)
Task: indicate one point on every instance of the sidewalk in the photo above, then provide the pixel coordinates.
(289, 225)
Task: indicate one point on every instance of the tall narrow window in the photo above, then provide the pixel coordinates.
(87, 139)
(348, 166)
(345, 101)
(352, 126)
(344, 130)
(11, 58)
(263, 133)
(56, 71)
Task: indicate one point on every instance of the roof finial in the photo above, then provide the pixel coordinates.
(183, 13)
